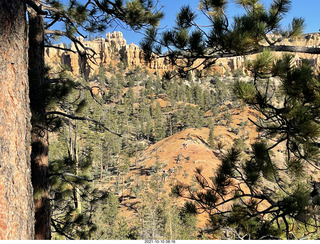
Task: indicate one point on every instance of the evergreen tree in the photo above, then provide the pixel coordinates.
(198, 95)
(159, 217)
(211, 137)
(189, 46)
(16, 218)
(290, 198)
(270, 199)
(105, 216)
(192, 117)
(74, 18)
(159, 130)
(293, 121)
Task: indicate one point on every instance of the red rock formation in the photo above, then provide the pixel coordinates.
(114, 49)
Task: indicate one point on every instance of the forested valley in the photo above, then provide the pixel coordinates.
(104, 166)
(198, 133)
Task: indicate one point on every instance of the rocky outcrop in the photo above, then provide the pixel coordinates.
(106, 52)
(116, 38)
(113, 49)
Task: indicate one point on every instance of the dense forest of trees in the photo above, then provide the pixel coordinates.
(128, 105)
(58, 190)
(270, 200)
(74, 18)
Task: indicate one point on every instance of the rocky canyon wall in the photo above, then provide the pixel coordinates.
(107, 52)
(113, 49)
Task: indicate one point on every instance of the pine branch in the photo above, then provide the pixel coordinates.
(274, 48)
(35, 7)
(60, 48)
(82, 119)
(294, 49)
(72, 175)
(90, 89)
(73, 39)
(60, 230)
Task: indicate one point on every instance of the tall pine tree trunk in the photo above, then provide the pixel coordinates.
(77, 198)
(101, 163)
(39, 137)
(16, 202)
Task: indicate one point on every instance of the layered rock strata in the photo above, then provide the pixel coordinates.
(112, 50)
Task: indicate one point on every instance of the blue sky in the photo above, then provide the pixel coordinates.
(307, 9)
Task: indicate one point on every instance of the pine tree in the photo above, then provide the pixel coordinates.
(75, 18)
(159, 130)
(270, 199)
(39, 132)
(234, 196)
(192, 117)
(198, 95)
(16, 218)
(188, 46)
(105, 216)
(211, 137)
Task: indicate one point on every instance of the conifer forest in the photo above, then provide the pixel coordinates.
(197, 132)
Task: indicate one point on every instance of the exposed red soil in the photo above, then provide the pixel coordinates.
(187, 150)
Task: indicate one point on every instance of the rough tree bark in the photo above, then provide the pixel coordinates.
(39, 133)
(16, 195)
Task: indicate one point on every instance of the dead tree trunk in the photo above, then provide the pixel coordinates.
(16, 194)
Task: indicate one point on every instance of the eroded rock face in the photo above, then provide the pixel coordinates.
(117, 38)
(113, 49)
(106, 52)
